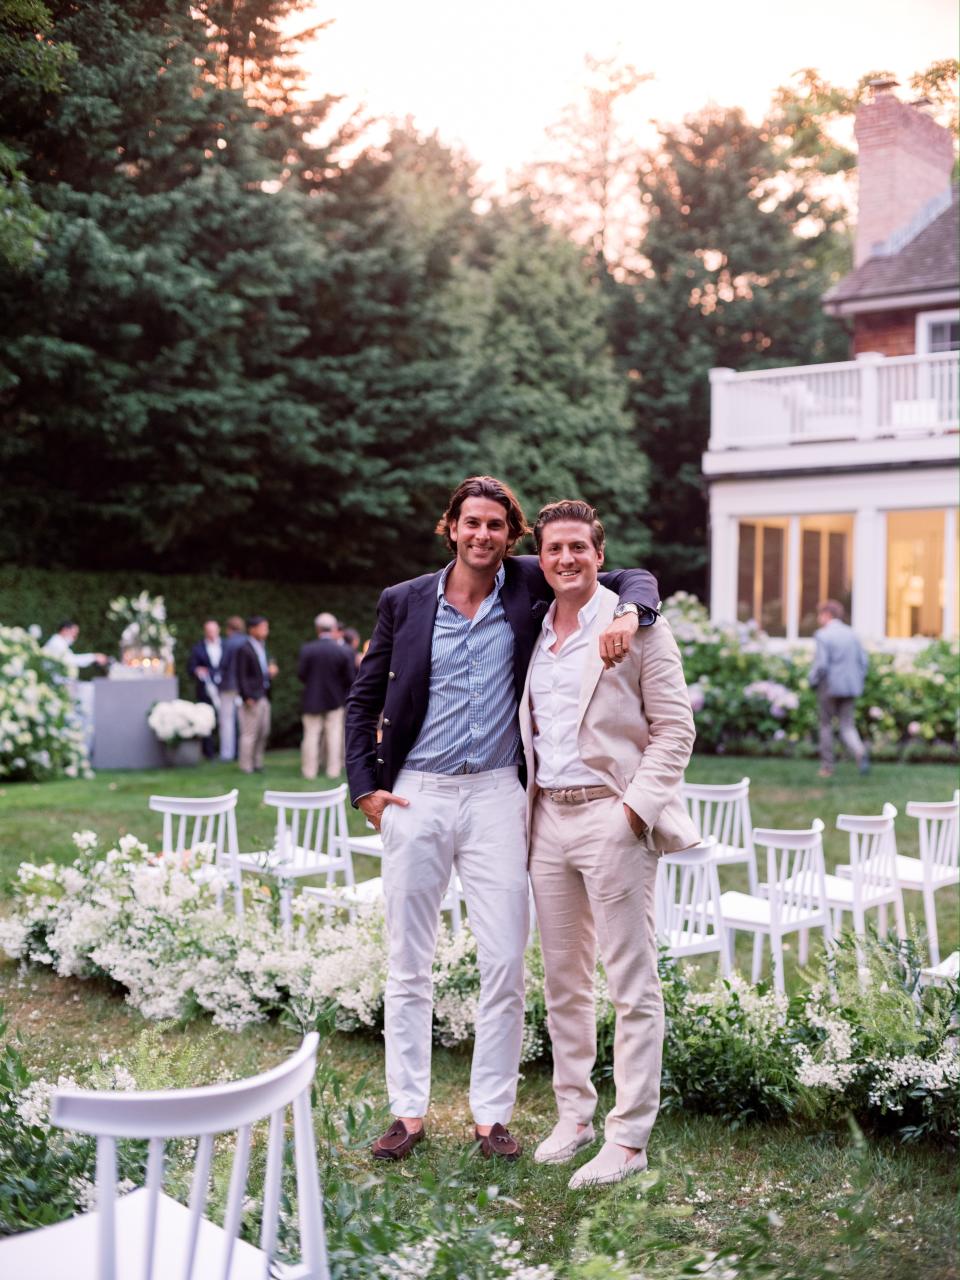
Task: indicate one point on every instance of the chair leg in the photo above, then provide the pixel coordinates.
(899, 915)
(930, 910)
(757, 957)
(776, 955)
(882, 920)
(726, 950)
(803, 946)
(286, 911)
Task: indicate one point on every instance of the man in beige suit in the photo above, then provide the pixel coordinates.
(605, 751)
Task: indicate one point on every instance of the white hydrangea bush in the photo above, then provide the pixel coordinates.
(40, 734)
(179, 720)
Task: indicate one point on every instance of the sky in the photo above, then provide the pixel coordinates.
(492, 76)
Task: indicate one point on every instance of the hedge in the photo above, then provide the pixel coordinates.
(46, 597)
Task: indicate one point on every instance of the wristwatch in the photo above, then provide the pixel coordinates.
(627, 607)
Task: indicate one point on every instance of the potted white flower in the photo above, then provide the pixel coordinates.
(180, 726)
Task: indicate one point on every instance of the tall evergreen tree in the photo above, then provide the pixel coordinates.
(739, 254)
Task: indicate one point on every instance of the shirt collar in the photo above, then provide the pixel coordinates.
(441, 584)
(585, 616)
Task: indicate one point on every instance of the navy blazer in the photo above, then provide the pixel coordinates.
(200, 657)
(394, 677)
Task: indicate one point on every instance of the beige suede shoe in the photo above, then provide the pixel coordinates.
(563, 1143)
(610, 1164)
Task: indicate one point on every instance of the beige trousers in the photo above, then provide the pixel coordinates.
(322, 732)
(593, 881)
(254, 732)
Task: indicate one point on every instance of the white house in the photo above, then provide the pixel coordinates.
(841, 480)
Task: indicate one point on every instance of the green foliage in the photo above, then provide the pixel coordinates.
(731, 282)
(46, 597)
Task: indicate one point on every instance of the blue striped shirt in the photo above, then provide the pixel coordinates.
(471, 721)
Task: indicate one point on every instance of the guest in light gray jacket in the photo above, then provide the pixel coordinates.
(838, 671)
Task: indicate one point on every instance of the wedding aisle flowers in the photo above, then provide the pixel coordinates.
(144, 621)
(863, 1041)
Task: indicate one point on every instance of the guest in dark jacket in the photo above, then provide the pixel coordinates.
(233, 641)
(204, 664)
(326, 668)
(255, 674)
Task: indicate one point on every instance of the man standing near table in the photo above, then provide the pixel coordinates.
(255, 674)
(326, 669)
(233, 642)
(605, 752)
(445, 669)
(204, 664)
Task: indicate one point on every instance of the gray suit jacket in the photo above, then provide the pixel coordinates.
(840, 663)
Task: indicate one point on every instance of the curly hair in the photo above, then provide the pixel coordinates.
(496, 491)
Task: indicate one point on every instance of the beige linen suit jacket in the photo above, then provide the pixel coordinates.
(635, 729)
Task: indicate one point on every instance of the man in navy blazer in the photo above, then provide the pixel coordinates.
(445, 670)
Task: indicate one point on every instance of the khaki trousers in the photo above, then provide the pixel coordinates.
(254, 732)
(593, 881)
(323, 731)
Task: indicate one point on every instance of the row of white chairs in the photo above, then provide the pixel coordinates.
(312, 841)
(695, 917)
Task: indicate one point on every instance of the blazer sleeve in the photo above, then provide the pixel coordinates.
(818, 668)
(633, 586)
(248, 686)
(365, 703)
(666, 705)
(196, 659)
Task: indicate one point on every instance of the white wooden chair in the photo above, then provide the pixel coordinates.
(687, 905)
(872, 879)
(203, 820)
(310, 840)
(938, 866)
(723, 812)
(792, 899)
(147, 1235)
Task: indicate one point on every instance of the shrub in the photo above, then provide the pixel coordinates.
(40, 735)
(749, 699)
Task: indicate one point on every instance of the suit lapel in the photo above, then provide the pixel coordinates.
(593, 667)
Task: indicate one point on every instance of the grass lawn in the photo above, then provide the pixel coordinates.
(712, 1179)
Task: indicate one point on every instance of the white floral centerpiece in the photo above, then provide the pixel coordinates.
(147, 641)
(180, 725)
(40, 735)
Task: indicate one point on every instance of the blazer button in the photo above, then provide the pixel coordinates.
(379, 760)
(385, 721)
(393, 675)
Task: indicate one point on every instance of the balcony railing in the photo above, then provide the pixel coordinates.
(863, 399)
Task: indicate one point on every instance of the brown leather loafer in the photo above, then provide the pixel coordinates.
(498, 1142)
(396, 1143)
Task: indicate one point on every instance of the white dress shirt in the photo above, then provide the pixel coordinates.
(59, 647)
(214, 651)
(555, 681)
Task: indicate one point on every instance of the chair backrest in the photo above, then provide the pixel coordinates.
(721, 811)
(687, 898)
(203, 820)
(310, 824)
(939, 831)
(873, 851)
(795, 871)
(202, 1114)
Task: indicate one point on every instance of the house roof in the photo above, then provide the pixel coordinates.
(929, 262)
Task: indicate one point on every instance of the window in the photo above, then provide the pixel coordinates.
(915, 586)
(826, 548)
(762, 574)
(937, 331)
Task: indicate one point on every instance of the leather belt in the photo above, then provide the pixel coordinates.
(576, 795)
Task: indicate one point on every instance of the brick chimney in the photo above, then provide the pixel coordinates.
(905, 161)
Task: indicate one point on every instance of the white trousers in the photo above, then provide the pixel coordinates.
(476, 823)
(227, 724)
